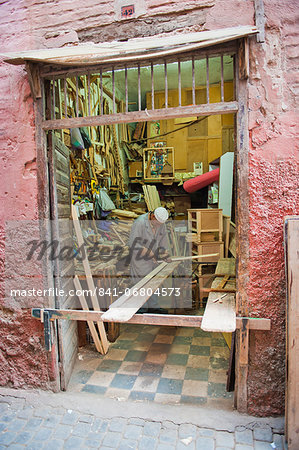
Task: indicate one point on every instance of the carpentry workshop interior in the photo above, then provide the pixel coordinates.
(106, 177)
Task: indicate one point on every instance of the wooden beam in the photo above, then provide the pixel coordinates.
(260, 19)
(243, 59)
(121, 300)
(242, 199)
(186, 258)
(130, 306)
(291, 238)
(258, 324)
(140, 116)
(228, 290)
(91, 324)
(89, 279)
(33, 72)
(242, 366)
(220, 314)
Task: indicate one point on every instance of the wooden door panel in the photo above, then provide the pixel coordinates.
(59, 171)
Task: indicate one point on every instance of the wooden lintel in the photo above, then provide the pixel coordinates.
(243, 59)
(33, 72)
(148, 319)
(57, 70)
(142, 116)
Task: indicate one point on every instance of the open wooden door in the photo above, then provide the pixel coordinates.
(63, 267)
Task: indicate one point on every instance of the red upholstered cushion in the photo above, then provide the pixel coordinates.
(201, 181)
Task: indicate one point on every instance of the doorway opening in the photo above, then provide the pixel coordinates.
(116, 171)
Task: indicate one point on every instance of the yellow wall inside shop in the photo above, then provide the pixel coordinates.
(204, 141)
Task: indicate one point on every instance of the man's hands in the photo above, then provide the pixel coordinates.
(161, 255)
(165, 256)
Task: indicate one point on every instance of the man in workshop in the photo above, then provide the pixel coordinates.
(148, 247)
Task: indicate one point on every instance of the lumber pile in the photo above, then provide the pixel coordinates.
(124, 227)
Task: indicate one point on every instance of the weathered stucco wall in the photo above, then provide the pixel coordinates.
(272, 157)
(23, 361)
(273, 194)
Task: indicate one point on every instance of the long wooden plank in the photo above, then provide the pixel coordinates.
(292, 322)
(155, 197)
(89, 279)
(147, 197)
(121, 300)
(143, 116)
(129, 307)
(149, 319)
(91, 324)
(184, 258)
(220, 315)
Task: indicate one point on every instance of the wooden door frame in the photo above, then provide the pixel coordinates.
(44, 215)
(53, 147)
(242, 206)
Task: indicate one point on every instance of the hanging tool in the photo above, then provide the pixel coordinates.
(93, 186)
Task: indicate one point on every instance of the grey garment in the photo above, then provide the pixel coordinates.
(142, 236)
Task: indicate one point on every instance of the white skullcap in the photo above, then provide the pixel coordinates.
(161, 214)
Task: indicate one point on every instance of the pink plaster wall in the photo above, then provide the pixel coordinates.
(22, 357)
(274, 193)
(272, 153)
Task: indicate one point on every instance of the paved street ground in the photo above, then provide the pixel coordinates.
(44, 420)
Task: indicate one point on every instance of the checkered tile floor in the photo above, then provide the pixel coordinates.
(160, 364)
